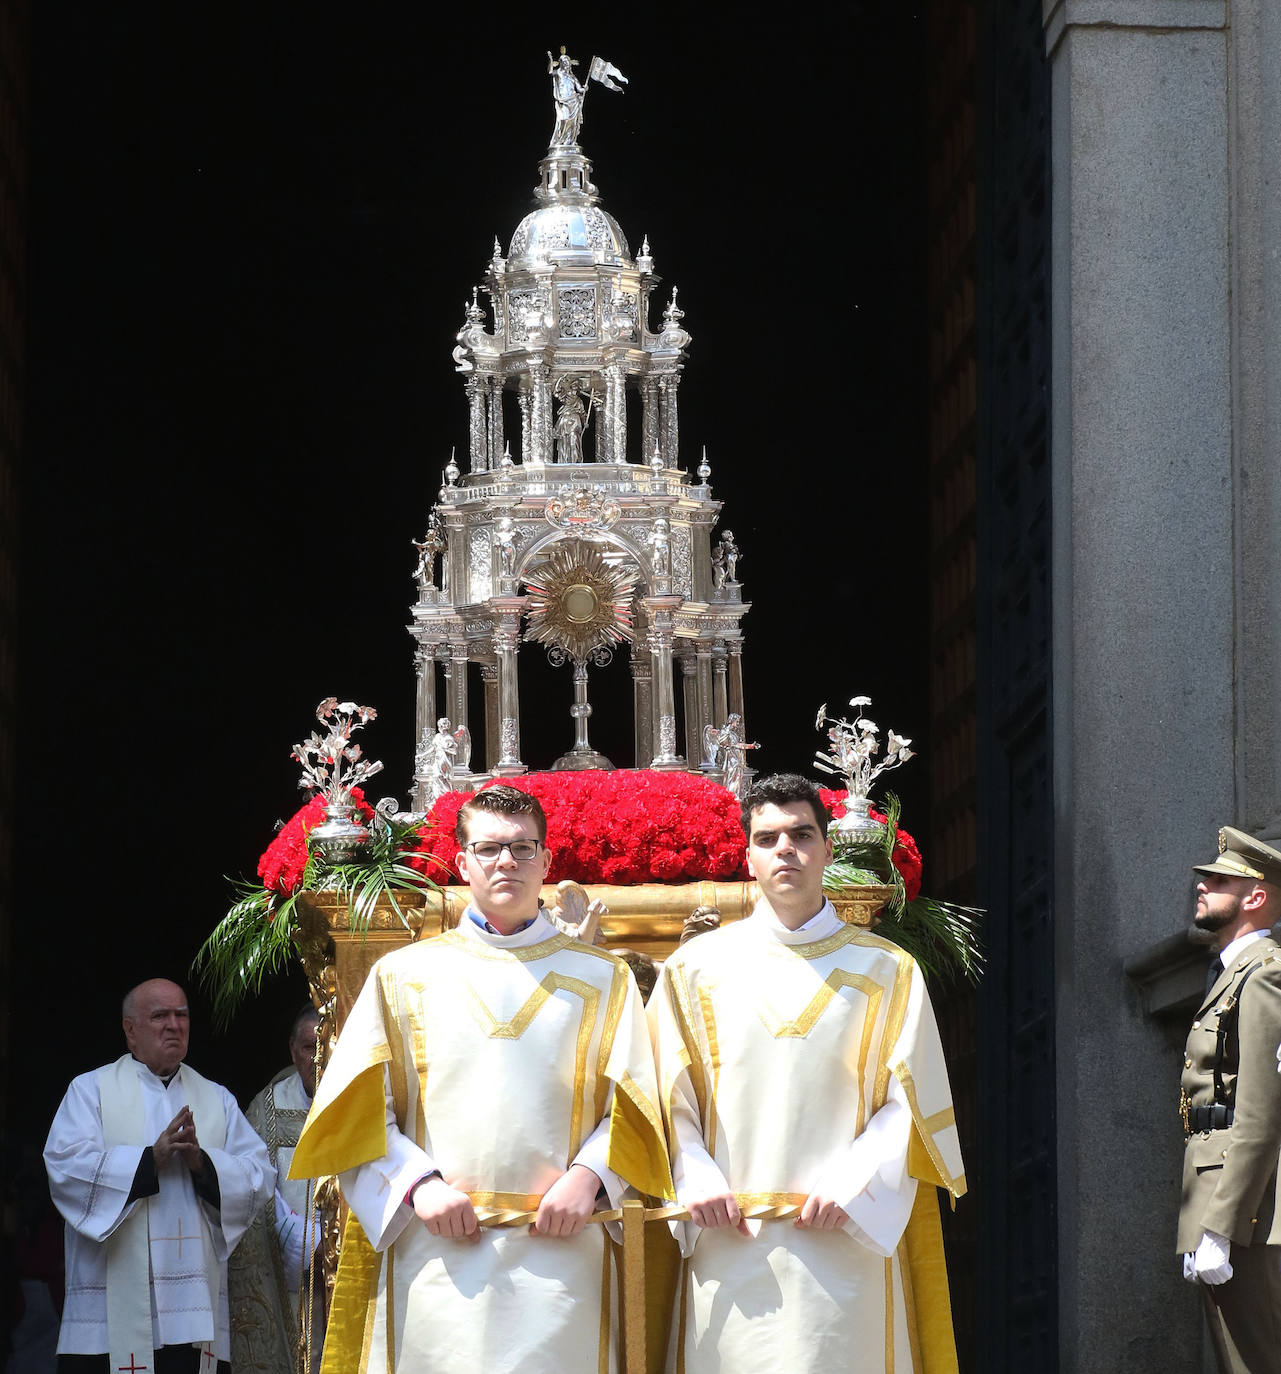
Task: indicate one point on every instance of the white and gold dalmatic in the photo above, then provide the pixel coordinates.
(500, 1061)
(794, 1062)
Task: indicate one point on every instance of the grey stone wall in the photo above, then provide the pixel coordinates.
(1167, 597)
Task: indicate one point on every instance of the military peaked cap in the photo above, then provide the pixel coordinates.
(1242, 856)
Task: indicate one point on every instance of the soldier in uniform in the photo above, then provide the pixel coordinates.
(1229, 1224)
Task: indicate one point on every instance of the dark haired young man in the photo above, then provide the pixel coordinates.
(500, 1066)
(800, 1066)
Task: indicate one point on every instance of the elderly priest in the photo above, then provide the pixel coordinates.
(157, 1175)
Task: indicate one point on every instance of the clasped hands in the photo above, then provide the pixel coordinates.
(178, 1141)
(721, 1209)
(562, 1213)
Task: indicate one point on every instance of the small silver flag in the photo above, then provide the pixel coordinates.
(604, 72)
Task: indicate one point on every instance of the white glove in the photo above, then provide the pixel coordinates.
(1279, 1058)
(1189, 1267)
(1211, 1260)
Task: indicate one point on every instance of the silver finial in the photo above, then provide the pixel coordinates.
(704, 470)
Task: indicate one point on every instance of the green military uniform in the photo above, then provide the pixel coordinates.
(1231, 1108)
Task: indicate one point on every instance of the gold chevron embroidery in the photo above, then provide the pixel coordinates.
(801, 1026)
(521, 1022)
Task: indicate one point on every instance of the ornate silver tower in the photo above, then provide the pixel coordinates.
(590, 535)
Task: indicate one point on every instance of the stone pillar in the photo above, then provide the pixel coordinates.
(642, 722)
(720, 707)
(1165, 495)
(525, 400)
(506, 638)
(476, 449)
(689, 685)
(496, 438)
(493, 716)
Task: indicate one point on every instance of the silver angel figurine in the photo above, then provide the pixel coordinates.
(725, 751)
(429, 546)
(440, 757)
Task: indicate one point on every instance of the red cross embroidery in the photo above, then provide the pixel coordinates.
(208, 1354)
(131, 1367)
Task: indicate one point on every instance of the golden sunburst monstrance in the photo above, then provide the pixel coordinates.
(578, 602)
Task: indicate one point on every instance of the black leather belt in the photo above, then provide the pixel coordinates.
(1213, 1118)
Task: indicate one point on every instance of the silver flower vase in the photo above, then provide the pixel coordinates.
(339, 838)
(857, 826)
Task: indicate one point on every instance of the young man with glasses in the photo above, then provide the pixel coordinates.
(502, 1067)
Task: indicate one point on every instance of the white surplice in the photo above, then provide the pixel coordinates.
(796, 1062)
(500, 1061)
(90, 1185)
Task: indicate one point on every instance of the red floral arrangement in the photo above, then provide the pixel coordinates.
(281, 866)
(620, 828)
(906, 856)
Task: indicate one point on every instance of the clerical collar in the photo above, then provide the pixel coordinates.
(822, 923)
(502, 934)
(153, 1073)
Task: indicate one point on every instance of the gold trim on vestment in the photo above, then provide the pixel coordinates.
(940, 1121)
(816, 949)
(893, 1022)
(613, 1013)
(389, 997)
(416, 1128)
(799, 1027)
(889, 1316)
(955, 1186)
(507, 1202)
(525, 953)
(693, 1060)
(681, 1317)
(602, 1354)
(909, 1303)
(746, 1200)
(708, 1013)
(389, 1294)
(514, 1028)
(371, 1308)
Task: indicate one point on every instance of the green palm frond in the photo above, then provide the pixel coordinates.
(941, 936)
(254, 940)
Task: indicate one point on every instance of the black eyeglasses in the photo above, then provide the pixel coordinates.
(488, 850)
